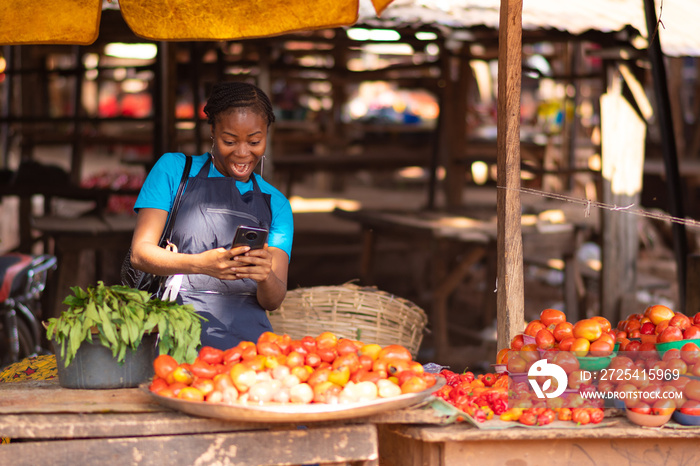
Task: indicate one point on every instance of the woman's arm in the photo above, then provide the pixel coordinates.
(146, 255)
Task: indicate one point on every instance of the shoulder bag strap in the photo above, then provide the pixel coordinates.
(178, 200)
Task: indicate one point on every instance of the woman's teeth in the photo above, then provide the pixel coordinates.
(240, 167)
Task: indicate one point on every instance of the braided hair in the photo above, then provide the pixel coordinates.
(228, 95)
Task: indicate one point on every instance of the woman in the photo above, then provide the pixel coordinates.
(230, 287)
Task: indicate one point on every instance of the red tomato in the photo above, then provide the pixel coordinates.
(190, 394)
(232, 355)
(596, 415)
(346, 346)
(395, 352)
(268, 348)
(349, 360)
(210, 355)
(552, 317)
(203, 369)
(309, 343)
(163, 365)
(157, 385)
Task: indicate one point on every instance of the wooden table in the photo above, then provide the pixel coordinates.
(459, 445)
(48, 424)
(444, 235)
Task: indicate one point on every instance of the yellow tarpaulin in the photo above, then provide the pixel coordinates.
(78, 21)
(42, 22)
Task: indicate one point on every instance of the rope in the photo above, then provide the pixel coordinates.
(588, 203)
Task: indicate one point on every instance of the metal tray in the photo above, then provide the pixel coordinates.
(277, 412)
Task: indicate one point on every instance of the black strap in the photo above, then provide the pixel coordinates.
(176, 203)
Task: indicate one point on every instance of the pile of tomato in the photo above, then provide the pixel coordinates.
(321, 369)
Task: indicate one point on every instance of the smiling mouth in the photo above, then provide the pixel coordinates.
(240, 168)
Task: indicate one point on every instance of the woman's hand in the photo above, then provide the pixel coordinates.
(252, 263)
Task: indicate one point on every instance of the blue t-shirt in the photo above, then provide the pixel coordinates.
(160, 187)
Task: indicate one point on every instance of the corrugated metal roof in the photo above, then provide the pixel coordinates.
(678, 33)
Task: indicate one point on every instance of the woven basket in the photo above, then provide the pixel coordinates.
(350, 311)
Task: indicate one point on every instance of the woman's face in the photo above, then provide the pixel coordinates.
(240, 137)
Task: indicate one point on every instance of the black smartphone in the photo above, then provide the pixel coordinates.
(254, 237)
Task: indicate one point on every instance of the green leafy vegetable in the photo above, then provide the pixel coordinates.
(120, 316)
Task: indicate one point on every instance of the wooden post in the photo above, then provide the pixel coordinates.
(692, 297)
(510, 295)
(623, 134)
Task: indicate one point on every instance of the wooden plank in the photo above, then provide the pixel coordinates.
(47, 396)
(97, 425)
(510, 295)
(352, 443)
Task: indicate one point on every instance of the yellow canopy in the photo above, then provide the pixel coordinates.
(78, 21)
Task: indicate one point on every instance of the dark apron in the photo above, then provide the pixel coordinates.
(211, 210)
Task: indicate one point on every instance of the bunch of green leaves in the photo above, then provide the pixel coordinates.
(119, 317)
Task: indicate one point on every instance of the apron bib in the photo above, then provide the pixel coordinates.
(211, 210)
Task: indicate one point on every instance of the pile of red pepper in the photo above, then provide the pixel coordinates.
(481, 396)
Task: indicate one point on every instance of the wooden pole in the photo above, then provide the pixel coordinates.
(510, 295)
(668, 144)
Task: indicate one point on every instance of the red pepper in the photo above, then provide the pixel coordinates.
(489, 379)
(467, 376)
(529, 418)
(596, 415)
(581, 416)
(546, 417)
(499, 406)
(450, 377)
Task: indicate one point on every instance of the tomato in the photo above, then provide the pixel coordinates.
(566, 361)
(190, 394)
(366, 362)
(430, 379)
(589, 329)
(295, 359)
(203, 369)
(175, 387)
(580, 347)
(563, 330)
(163, 365)
(544, 339)
(414, 384)
(285, 343)
(205, 386)
(257, 363)
(248, 351)
(232, 355)
(690, 353)
(268, 348)
(658, 313)
(692, 390)
(326, 340)
(346, 346)
(349, 360)
(533, 327)
(309, 343)
(327, 353)
(604, 323)
(692, 333)
(268, 337)
(157, 385)
(552, 317)
(565, 344)
(318, 376)
(517, 342)
(691, 407)
(601, 347)
(211, 355)
(182, 374)
(222, 381)
(395, 352)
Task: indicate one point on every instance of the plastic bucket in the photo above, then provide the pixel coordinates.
(94, 367)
